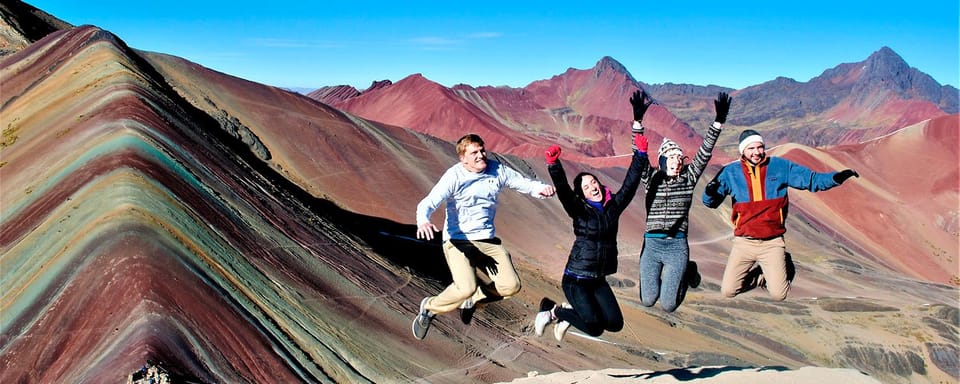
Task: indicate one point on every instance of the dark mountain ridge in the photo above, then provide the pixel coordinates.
(883, 90)
(22, 24)
(883, 71)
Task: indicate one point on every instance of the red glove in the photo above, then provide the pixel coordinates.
(552, 154)
(640, 141)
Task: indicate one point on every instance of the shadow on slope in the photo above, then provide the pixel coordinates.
(394, 241)
(390, 239)
(694, 373)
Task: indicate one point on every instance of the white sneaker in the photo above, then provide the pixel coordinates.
(560, 329)
(543, 318)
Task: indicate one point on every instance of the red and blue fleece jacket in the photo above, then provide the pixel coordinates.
(759, 193)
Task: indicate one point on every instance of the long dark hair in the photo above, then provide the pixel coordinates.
(578, 189)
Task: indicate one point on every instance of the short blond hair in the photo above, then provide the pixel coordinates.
(470, 138)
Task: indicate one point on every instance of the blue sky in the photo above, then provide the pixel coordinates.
(736, 44)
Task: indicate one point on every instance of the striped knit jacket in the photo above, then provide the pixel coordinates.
(668, 199)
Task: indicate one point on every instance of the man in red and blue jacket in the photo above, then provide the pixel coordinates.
(757, 186)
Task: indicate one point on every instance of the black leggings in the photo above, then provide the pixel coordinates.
(595, 307)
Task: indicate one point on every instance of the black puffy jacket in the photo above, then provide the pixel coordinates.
(594, 252)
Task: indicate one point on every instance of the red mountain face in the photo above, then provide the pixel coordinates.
(429, 108)
(883, 212)
(585, 111)
(334, 94)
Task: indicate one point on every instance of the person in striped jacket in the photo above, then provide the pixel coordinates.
(757, 185)
(665, 258)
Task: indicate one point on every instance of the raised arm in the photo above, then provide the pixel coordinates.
(700, 160)
(803, 178)
(640, 102)
(525, 185)
(568, 199)
(639, 171)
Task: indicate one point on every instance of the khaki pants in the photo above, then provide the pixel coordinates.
(470, 262)
(769, 254)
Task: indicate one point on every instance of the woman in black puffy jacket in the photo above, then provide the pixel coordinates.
(591, 305)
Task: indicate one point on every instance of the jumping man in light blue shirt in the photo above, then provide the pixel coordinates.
(472, 250)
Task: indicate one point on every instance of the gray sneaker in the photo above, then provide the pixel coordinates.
(421, 323)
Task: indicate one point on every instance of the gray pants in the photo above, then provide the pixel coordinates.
(663, 264)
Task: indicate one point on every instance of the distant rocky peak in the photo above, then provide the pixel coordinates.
(886, 70)
(462, 87)
(609, 64)
(379, 84)
(886, 65)
(888, 56)
(334, 94)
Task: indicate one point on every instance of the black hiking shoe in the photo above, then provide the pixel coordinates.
(546, 304)
(467, 308)
(791, 269)
(692, 276)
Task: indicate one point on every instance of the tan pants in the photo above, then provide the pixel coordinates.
(769, 254)
(470, 262)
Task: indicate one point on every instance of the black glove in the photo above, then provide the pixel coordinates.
(640, 102)
(843, 175)
(713, 187)
(722, 104)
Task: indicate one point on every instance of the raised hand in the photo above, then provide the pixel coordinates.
(845, 174)
(552, 154)
(640, 102)
(722, 104)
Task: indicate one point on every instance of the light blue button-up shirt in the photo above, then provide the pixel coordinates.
(472, 199)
